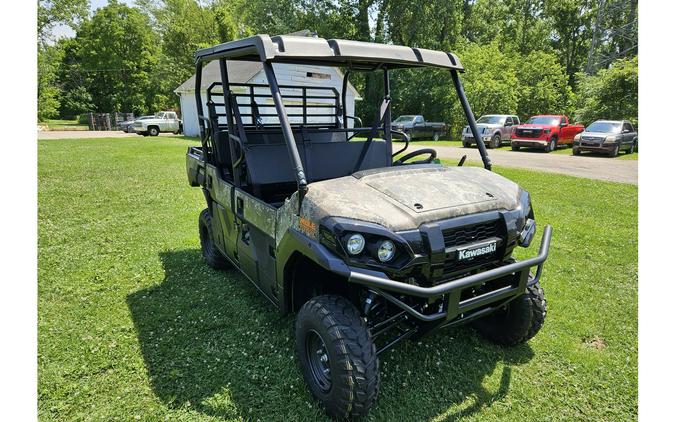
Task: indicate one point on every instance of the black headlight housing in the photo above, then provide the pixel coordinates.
(334, 232)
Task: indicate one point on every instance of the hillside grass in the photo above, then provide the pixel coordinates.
(132, 325)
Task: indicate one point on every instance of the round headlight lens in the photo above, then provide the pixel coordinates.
(386, 251)
(355, 244)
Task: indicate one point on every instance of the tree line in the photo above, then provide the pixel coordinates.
(523, 57)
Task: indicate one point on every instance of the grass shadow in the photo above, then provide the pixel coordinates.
(211, 343)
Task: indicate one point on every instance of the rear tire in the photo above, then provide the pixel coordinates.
(515, 147)
(213, 257)
(337, 356)
(153, 131)
(521, 319)
(631, 149)
(436, 137)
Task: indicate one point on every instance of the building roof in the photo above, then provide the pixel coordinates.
(333, 52)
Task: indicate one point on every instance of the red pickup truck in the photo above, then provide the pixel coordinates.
(546, 132)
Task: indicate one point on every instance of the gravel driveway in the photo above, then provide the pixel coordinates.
(601, 168)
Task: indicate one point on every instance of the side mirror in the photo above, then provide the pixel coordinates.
(563, 124)
(625, 131)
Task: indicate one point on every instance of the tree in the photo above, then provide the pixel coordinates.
(542, 85)
(490, 82)
(611, 94)
(55, 12)
(49, 58)
(116, 54)
(571, 21)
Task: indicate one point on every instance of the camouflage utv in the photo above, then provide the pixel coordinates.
(319, 214)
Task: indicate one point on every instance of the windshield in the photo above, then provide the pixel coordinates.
(544, 120)
(605, 127)
(492, 120)
(404, 119)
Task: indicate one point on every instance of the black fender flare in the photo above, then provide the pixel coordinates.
(293, 245)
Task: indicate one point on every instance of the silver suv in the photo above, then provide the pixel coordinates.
(494, 128)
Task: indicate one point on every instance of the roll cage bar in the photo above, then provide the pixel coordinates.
(352, 55)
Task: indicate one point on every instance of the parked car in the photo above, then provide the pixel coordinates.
(607, 136)
(128, 126)
(368, 250)
(417, 128)
(494, 128)
(165, 121)
(546, 132)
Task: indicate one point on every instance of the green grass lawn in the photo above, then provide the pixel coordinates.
(64, 125)
(132, 325)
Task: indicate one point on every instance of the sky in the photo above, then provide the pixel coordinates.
(65, 31)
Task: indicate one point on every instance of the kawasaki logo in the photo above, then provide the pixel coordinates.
(479, 251)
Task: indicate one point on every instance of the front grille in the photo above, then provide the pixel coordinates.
(593, 139)
(459, 236)
(528, 133)
(468, 234)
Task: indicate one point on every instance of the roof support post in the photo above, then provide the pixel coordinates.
(287, 131)
(386, 119)
(472, 121)
(225, 79)
(200, 108)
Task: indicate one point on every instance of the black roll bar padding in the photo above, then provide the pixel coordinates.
(472, 121)
(200, 107)
(287, 131)
(389, 285)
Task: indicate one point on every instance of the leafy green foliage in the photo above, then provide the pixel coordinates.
(55, 12)
(611, 94)
(49, 58)
(117, 54)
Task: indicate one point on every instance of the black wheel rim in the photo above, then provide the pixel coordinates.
(318, 361)
(206, 240)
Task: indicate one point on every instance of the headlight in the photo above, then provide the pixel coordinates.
(355, 244)
(487, 130)
(577, 137)
(610, 139)
(527, 233)
(466, 129)
(386, 251)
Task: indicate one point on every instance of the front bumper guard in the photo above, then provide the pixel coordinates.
(520, 271)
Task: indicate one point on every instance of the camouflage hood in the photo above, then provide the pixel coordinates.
(401, 198)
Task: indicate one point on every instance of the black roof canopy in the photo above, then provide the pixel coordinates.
(333, 52)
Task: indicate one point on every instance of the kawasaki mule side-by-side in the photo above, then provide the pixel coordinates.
(323, 217)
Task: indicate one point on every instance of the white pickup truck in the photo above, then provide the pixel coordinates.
(165, 121)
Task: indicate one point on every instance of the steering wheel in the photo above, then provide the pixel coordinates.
(402, 161)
